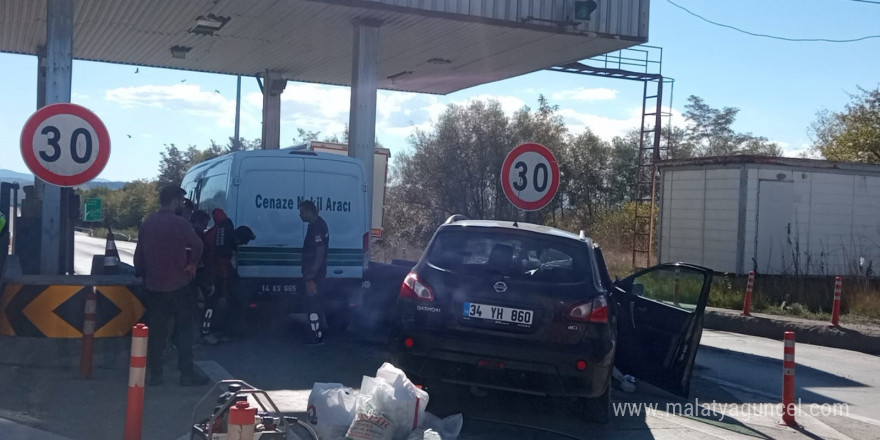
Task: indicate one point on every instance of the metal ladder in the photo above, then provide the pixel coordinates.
(651, 149)
(639, 63)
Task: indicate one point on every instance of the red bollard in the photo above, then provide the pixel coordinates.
(88, 331)
(835, 307)
(747, 304)
(137, 370)
(788, 405)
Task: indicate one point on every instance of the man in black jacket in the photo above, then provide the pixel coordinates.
(314, 269)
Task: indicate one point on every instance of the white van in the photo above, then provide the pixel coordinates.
(262, 189)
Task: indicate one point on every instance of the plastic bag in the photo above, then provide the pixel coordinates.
(331, 409)
(389, 406)
(409, 401)
(435, 428)
(371, 421)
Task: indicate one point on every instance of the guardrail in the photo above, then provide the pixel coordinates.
(91, 232)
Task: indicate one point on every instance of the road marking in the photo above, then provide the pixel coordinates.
(775, 397)
(867, 420)
(700, 427)
(738, 387)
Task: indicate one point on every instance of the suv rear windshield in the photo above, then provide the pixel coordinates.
(526, 256)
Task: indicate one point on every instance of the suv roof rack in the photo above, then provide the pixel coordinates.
(454, 218)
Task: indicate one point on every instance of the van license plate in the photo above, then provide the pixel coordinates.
(506, 315)
(278, 288)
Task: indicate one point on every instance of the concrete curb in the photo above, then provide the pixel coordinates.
(863, 339)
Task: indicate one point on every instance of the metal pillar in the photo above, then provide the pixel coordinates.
(236, 144)
(273, 85)
(59, 66)
(362, 114)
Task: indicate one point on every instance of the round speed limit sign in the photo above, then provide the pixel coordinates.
(530, 176)
(65, 144)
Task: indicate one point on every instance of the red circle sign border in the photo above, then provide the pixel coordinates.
(505, 176)
(30, 158)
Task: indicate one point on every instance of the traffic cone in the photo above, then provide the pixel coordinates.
(111, 255)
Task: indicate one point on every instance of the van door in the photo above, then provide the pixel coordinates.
(269, 188)
(337, 189)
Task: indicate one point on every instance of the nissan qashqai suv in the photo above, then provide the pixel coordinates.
(531, 309)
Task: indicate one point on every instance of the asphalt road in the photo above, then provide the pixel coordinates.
(85, 247)
(735, 392)
(737, 379)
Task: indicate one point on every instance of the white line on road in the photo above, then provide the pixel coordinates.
(770, 396)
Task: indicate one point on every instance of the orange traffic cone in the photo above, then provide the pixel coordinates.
(111, 255)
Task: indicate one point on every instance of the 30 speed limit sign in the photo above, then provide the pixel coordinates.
(65, 144)
(530, 176)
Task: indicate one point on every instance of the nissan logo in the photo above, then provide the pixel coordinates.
(500, 287)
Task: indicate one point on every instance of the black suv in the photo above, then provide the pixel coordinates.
(529, 308)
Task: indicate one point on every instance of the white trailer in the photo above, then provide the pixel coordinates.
(773, 215)
(380, 176)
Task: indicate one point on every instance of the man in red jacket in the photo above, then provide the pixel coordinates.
(162, 259)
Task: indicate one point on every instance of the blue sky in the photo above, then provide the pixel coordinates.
(777, 85)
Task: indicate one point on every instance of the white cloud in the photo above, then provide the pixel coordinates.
(509, 104)
(802, 150)
(327, 101)
(603, 126)
(606, 127)
(187, 98)
(582, 94)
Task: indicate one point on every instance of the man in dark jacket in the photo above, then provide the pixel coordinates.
(314, 269)
(4, 241)
(166, 256)
(219, 248)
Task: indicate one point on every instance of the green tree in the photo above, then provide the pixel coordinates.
(710, 133)
(125, 208)
(452, 170)
(853, 134)
(176, 162)
(585, 170)
(546, 127)
(173, 165)
(623, 169)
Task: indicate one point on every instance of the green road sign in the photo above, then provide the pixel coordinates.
(92, 210)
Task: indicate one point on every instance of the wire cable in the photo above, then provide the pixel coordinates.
(755, 34)
(866, 1)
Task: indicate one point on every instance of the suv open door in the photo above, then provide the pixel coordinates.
(660, 321)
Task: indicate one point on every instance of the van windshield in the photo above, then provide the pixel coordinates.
(516, 255)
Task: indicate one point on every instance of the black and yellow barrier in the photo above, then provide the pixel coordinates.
(54, 306)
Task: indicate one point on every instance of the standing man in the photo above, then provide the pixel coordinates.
(4, 241)
(161, 258)
(314, 269)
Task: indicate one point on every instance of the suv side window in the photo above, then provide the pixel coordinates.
(679, 287)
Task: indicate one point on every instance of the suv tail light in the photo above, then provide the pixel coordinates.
(595, 310)
(414, 288)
